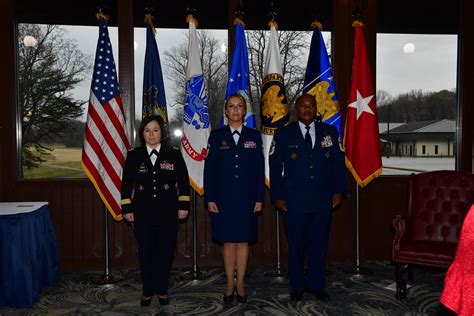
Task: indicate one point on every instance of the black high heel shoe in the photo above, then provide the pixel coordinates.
(228, 298)
(241, 298)
(145, 301)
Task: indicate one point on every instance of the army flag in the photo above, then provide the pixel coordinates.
(319, 82)
(238, 81)
(361, 135)
(105, 141)
(196, 124)
(273, 104)
(154, 99)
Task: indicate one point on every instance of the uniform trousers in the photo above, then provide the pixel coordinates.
(308, 236)
(156, 247)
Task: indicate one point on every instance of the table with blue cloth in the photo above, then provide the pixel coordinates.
(28, 252)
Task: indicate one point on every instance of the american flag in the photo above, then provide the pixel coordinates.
(105, 141)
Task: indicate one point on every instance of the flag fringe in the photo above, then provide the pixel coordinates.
(102, 197)
(367, 180)
(199, 190)
(190, 18)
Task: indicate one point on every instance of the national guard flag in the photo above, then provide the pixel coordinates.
(154, 99)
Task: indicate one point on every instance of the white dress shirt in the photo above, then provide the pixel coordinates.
(312, 131)
(236, 135)
(153, 157)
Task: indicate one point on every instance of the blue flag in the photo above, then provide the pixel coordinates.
(154, 100)
(239, 73)
(319, 82)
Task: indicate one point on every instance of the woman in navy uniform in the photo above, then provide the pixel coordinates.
(308, 179)
(155, 195)
(234, 191)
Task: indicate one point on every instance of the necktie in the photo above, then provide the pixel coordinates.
(307, 138)
(153, 156)
(236, 135)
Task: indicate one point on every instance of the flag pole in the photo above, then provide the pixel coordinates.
(277, 274)
(273, 68)
(357, 270)
(107, 278)
(194, 274)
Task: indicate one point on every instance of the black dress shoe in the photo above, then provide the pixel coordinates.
(145, 301)
(241, 298)
(296, 296)
(164, 300)
(321, 295)
(228, 298)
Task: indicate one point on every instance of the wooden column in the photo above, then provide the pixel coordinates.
(465, 80)
(126, 67)
(8, 126)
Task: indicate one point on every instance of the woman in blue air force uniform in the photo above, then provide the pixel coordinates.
(234, 191)
(155, 194)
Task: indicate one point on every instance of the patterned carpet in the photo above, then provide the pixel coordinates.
(76, 294)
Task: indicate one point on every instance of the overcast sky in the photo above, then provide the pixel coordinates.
(404, 61)
(428, 64)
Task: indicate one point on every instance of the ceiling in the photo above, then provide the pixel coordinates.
(394, 16)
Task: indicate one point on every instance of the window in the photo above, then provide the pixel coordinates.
(416, 101)
(54, 72)
(173, 49)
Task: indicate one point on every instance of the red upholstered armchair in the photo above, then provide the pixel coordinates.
(428, 232)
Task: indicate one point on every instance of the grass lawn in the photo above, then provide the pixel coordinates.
(63, 162)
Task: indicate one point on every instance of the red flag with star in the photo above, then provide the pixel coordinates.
(361, 136)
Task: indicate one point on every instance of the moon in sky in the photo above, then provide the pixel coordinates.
(224, 48)
(409, 48)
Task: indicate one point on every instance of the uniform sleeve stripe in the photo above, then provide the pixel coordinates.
(184, 198)
(126, 201)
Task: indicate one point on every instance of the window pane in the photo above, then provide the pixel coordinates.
(416, 100)
(55, 65)
(173, 50)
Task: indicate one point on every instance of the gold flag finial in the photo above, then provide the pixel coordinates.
(357, 23)
(100, 15)
(190, 18)
(316, 25)
(239, 21)
(149, 20)
(274, 24)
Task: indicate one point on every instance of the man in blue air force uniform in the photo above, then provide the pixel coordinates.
(308, 179)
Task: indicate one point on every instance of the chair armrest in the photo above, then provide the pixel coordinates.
(398, 224)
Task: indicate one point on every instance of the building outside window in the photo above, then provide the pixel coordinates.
(416, 101)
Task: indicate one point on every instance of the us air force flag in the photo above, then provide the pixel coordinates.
(319, 82)
(274, 106)
(239, 73)
(154, 100)
(196, 124)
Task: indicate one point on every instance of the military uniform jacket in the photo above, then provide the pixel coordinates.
(155, 193)
(234, 173)
(306, 178)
